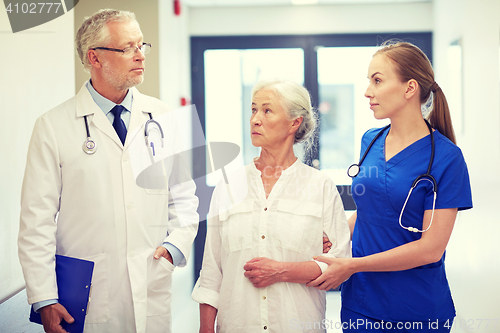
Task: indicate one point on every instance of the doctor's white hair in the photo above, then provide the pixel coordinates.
(94, 31)
(296, 101)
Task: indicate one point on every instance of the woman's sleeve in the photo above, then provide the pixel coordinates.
(453, 183)
(335, 224)
(207, 288)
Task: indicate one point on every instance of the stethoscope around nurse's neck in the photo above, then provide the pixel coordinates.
(355, 168)
(90, 147)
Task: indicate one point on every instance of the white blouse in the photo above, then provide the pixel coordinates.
(288, 226)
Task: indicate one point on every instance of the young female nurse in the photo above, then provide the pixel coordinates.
(396, 280)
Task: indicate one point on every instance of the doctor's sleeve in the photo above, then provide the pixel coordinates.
(40, 197)
(207, 288)
(183, 218)
(335, 223)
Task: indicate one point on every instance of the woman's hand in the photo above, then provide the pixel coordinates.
(339, 270)
(327, 245)
(263, 272)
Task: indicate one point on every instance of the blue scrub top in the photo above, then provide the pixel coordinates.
(380, 190)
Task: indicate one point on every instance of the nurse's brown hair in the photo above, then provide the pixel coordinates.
(411, 63)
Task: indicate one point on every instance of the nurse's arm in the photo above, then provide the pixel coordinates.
(263, 272)
(426, 250)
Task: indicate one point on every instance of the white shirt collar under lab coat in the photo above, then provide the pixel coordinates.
(106, 105)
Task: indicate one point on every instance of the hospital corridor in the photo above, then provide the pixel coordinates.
(219, 67)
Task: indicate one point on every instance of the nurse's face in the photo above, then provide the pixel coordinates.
(385, 90)
(269, 124)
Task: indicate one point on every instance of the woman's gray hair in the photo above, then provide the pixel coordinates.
(94, 31)
(296, 101)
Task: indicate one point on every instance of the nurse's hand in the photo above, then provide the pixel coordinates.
(263, 272)
(337, 272)
(52, 315)
(163, 252)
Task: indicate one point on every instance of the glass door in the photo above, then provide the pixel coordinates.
(343, 110)
(229, 78)
(332, 67)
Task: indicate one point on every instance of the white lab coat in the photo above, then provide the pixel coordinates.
(89, 207)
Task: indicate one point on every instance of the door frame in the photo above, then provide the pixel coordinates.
(309, 43)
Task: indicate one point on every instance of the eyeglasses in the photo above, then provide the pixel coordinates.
(128, 51)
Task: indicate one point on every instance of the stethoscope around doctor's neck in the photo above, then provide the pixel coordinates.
(90, 147)
(354, 170)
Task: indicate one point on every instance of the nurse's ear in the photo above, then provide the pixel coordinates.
(411, 88)
(94, 58)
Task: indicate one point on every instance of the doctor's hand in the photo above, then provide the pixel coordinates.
(163, 252)
(337, 272)
(52, 315)
(263, 272)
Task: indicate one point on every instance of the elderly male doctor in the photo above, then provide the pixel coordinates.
(89, 206)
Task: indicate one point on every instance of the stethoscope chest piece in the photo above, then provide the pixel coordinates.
(89, 146)
(353, 170)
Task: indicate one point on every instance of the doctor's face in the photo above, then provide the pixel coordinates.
(120, 71)
(385, 90)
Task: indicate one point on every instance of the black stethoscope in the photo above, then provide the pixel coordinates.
(90, 147)
(355, 168)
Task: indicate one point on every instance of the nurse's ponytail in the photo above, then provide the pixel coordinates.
(411, 63)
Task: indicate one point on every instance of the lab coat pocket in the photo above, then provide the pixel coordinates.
(299, 225)
(159, 286)
(237, 226)
(98, 309)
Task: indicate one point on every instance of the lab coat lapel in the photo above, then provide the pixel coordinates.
(139, 115)
(85, 106)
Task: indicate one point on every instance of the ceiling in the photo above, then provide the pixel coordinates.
(228, 3)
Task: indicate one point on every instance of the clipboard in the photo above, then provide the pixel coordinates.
(74, 281)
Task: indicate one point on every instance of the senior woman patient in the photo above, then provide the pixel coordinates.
(258, 249)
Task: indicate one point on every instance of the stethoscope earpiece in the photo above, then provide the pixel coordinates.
(149, 144)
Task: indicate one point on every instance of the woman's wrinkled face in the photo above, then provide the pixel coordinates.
(385, 90)
(269, 123)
